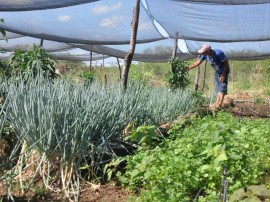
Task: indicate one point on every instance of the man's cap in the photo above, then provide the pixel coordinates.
(204, 48)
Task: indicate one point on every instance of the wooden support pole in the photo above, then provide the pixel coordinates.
(232, 76)
(204, 75)
(129, 54)
(174, 50)
(197, 76)
(91, 58)
(119, 67)
(41, 43)
(175, 45)
(103, 61)
(105, 81)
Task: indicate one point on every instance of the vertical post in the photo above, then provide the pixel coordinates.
(174, 50)
(204, 75)
(129, 54)
(91, 58)
(232, 76)
(41, 43)
(119, 67)
(175, 45)
(105, 80)
(196, 83)
(103, 62)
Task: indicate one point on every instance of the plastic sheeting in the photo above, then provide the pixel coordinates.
(227, 2)
(10, 35)
(78, 57)
(239, 28)
(213, 22)
(237, 50)
(158, 51)
(101, 22)
(24, 5)
(24, 43)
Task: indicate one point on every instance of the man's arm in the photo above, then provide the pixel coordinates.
(195, 64)
(222, 76)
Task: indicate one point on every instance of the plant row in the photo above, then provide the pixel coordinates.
(189, 165)
(75, 128)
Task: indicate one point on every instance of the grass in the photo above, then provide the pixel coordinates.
(248, 76)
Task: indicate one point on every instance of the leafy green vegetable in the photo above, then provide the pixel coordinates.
(176, 169)
(177, 77)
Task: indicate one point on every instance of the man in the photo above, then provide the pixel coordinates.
(220, 63)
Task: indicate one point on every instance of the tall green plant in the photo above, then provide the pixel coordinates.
(3, 69)
(87, 76)
(32, 61)
(177, 77)
(81, 125)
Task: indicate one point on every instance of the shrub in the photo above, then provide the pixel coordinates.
(177, 77)
(33, 61)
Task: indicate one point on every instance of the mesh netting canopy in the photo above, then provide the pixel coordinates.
(239, 28)
(24, 5)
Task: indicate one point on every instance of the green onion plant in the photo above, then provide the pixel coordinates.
(64, 129)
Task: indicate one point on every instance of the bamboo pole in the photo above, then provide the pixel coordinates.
(232, 76)
(119, 67)
(91, 58)
(204, 75)
(105, 80)
(175, 45)
(174, 50)
(129, 54)
(103, 61)
(197, 75)
(41, 42)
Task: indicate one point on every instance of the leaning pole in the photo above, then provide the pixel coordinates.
(129, 54)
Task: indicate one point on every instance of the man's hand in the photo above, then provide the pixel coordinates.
(222, 78)
(186, 69)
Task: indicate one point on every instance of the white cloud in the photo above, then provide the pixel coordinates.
(64, 18)
(116, 6)
(100, 9)
(145, 26)
(111, 22)
(105, 8)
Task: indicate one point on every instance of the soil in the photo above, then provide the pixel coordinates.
(239, 104)
(106, 193)
(247, 105)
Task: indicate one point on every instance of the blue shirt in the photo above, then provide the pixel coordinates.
(216, 60)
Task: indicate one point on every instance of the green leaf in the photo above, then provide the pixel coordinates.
(85, 167)
(204, 168)
(234, 156)
(221, 157)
